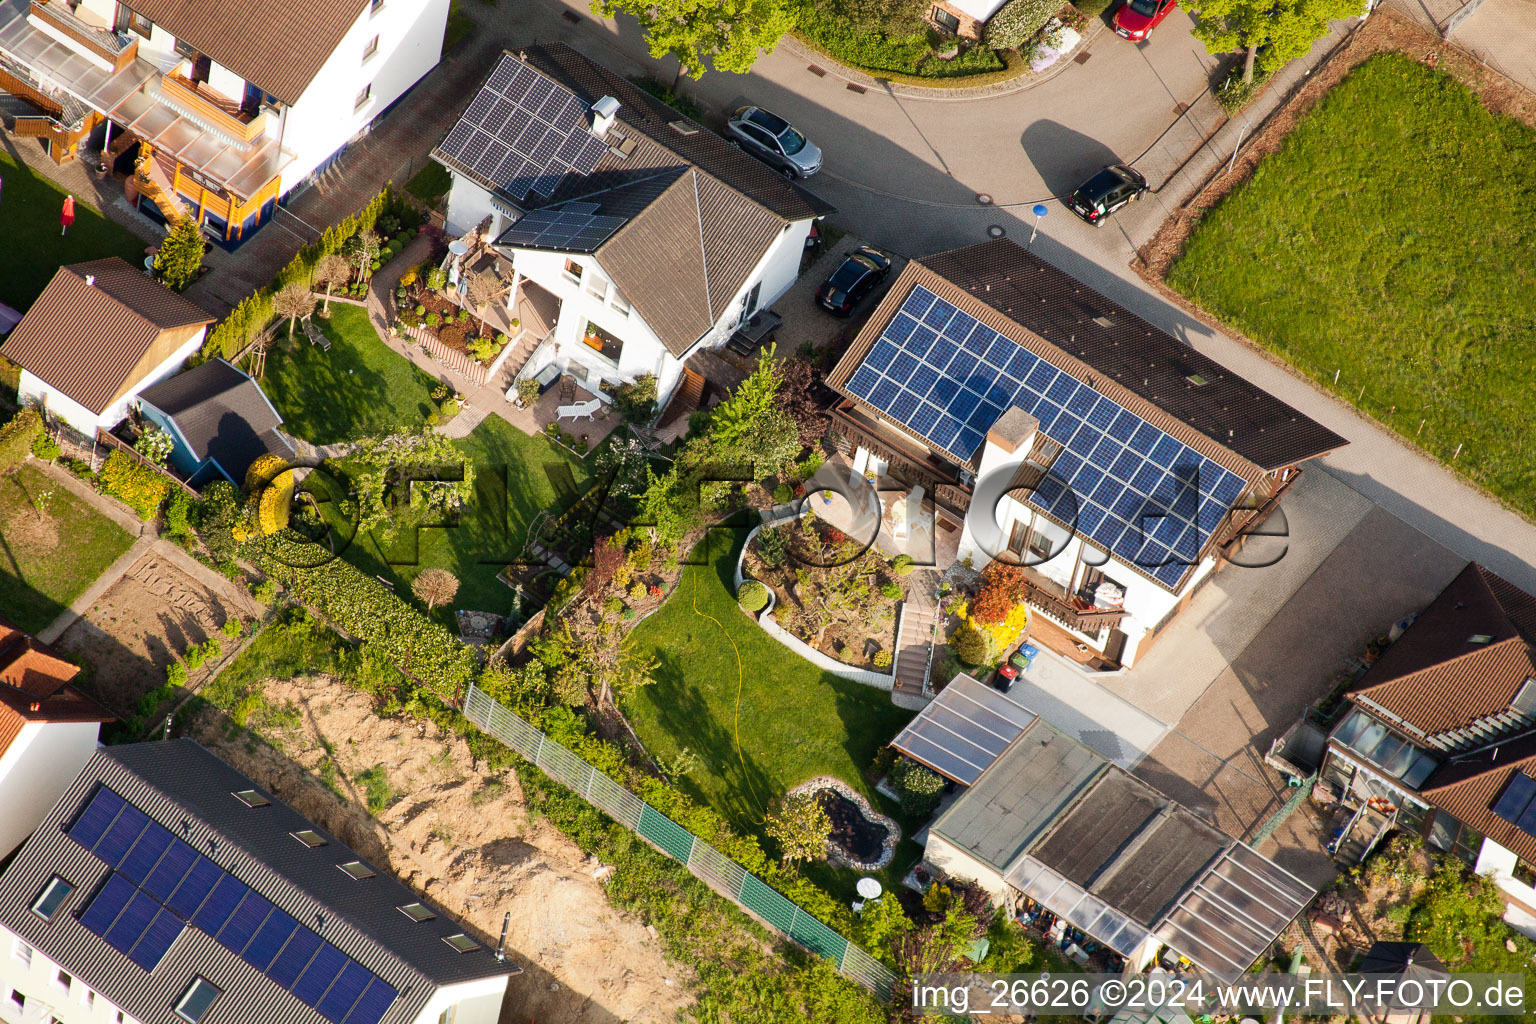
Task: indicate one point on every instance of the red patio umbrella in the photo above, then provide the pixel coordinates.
(67, 215)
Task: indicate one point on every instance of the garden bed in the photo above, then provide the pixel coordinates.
(836, 598)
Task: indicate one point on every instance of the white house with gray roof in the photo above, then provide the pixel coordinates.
(167, 888)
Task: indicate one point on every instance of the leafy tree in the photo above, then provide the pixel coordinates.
(181, 254)
(918, 787)
(751, 428)
(729, 33)
(362, 249)
(332, 270)
(799, 824)
(1282, 29)
(404, 480)
(435, 587)
(293, 301)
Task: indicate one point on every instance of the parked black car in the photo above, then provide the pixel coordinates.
(858, 275)
(1104, 193)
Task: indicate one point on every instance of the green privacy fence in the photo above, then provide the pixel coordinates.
(717, 870)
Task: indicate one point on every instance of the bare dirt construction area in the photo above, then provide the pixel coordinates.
(463, 838)
(147, 617)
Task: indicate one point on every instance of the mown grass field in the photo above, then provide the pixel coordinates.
(1389, 241)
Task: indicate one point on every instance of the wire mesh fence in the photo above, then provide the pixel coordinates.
(711, 866)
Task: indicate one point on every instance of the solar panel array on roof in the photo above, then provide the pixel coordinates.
(575, 226)
(1129, 487)
(523, 133)
(159, 884)
(963, 730)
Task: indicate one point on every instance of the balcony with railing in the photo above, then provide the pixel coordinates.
(212, 109)
(1071, 610)
(116, 48)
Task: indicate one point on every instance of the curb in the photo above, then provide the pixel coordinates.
(959, 94)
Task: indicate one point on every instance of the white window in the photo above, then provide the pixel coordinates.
(572, 271)
(616, 301)
(597, 287)
(17, 1004)
(88, 1000)
(371, 49)
(363, 97)
(22, 952)
(63, 980)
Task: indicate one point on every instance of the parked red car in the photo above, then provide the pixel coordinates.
(1137, 18)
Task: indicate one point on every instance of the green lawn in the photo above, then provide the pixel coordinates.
(359, 388)
(792, 720)
(52, 546)
(29, 222)
(512, 485)
(430, 183)
(1388, 241)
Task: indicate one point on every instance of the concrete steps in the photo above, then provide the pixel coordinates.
(919, 626)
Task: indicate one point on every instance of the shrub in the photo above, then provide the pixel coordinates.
(627, 613)
(782, 494)
(800, 825)
(433, 319)
(138, 487)
(637, 402)
(613, 606)
(176, 674)
(752, 596)
(1018, 21)
(232, 627)
(434, 587)
(891, 591)
(177, 513)
(1003, 588)
(527, 390)
(1234, 94)
(264, 592)
(974, 645)
(18, 436)
(420, 309)
(451, 334)
(882, 659)
(1091, 9)
(902, 565)
(773, 546)
(408, 278)
(463, 316)
(580, 447)
(918, 787)
(45, 447)
(638, 592)
(433, 419)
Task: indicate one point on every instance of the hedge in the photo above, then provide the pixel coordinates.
(365, 608)
(16, 438)
(141, 488)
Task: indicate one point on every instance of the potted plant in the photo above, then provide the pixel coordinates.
(527, 392)
(592, 338)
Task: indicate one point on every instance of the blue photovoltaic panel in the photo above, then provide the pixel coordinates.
(290, 963)
(108, 904)
(269, 939)
(124, 831)
(94, 821)
(221, 903)
(131, 923)
(242, 924)
(317, 977)
(373, 1004)
(146, 853)
(156, 940)
(348, 987)
(162, 881)
(1129, 487)
(195, 887)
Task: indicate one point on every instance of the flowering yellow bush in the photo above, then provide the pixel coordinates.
(263, 471)
(274, 503)
(1003, 633)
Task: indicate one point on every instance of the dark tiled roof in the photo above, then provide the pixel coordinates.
(280, 45)
(1434, 678)
(222, 413)
(1467, 787)
(85, 340)
(189, 791)
(699, 213)
(1227, 418)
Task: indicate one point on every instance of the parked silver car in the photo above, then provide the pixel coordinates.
(774, 141)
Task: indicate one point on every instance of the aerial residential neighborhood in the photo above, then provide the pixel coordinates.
(648, 511)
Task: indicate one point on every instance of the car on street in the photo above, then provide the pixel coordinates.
(859, 274)
(774, 141)
(1104, 193)
(1136, 19)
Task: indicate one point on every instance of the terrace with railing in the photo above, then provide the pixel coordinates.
(211, 109)
(116, 48)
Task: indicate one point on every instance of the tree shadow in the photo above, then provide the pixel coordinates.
(1063, 157)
